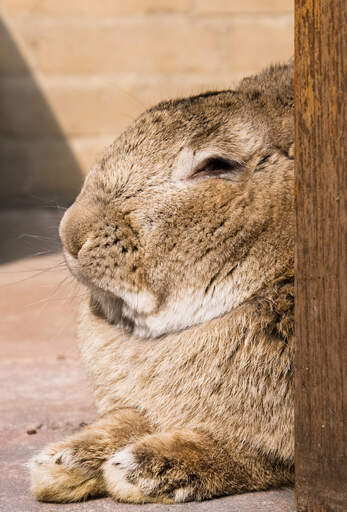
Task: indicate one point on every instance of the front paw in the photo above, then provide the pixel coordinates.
(57, 475)
(138, 474)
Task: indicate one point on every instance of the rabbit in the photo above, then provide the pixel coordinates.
(183, 237)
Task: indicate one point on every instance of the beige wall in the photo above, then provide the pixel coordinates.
(74, 73)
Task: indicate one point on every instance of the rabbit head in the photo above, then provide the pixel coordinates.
(190, 211)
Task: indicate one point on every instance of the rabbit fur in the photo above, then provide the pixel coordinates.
(183, 235)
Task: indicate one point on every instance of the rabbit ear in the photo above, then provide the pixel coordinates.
(273, 90)
(274, 84)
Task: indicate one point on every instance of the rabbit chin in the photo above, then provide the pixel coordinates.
(136, 313)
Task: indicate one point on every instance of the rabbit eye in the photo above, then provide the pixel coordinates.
(215, 166)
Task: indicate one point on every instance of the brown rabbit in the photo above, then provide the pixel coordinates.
(183, 235)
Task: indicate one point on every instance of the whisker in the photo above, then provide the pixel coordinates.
(48, 269)
(37, 237)
(33, 276)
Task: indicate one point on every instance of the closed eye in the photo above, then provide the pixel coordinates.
(263, 160)
(216, 166)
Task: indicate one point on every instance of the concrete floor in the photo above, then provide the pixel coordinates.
(45, 395)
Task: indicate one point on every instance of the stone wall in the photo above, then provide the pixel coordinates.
(74, 73)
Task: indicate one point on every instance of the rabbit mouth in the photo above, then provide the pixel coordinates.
(118, 306)
(110, 308)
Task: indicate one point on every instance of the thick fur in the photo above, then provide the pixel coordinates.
(183, 234)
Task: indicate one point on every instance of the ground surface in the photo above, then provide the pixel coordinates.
(45, 395)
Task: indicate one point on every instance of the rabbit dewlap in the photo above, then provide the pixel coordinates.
(183, 237)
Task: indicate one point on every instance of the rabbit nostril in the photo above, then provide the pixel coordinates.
(74, 237)
(75, 229)
(75, 243)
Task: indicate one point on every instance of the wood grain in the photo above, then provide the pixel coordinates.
(321, 254)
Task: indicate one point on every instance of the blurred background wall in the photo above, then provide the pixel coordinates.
(75, 73)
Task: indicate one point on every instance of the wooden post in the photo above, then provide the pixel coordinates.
(321, 255)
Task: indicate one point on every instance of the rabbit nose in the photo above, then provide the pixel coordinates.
(75, 228)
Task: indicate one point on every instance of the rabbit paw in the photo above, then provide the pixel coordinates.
(59, 474)
(141, 473)
(183, 465)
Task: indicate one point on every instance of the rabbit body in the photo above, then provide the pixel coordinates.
(183, 234)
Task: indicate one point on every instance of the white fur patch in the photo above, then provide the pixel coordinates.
(115, 475)
(183, 494)
(142, 302)
(191, 307)
(124, 459)
(184, 164)
(187, 307)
